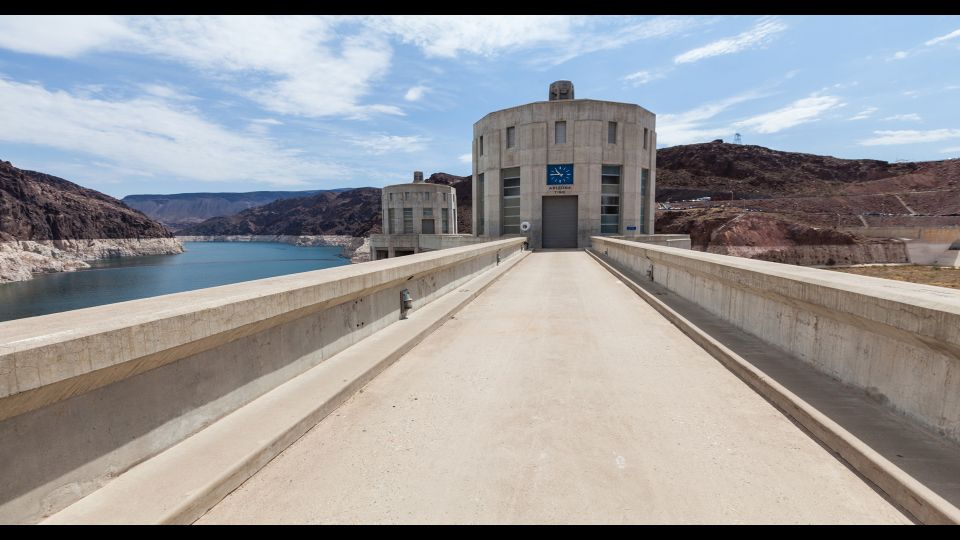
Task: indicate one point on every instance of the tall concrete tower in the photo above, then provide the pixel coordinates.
(571, 168)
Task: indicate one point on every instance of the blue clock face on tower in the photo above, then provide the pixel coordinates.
(560, 175)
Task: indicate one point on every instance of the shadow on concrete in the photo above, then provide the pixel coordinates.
(927, 456)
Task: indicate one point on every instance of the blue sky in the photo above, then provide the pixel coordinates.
(178, 104)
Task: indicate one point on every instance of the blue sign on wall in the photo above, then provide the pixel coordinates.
(560, 175)
(631, 227)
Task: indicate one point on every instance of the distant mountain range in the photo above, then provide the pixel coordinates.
(351, 212)
(184, 209)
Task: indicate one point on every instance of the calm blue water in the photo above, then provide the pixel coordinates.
(205, 264)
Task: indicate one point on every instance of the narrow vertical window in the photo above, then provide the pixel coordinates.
(610, 199)
(645, 135)
(480, 149)
(511, 137)
(392, 221)
(644, 194)
(510, 201)
(612, 132)
(445, 220)
(480, 212)
(560, 133)
(407, 220)
(426, 196)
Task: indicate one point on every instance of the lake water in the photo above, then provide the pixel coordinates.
(205, 264)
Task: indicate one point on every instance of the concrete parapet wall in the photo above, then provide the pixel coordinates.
(899, 342)
(681, 241)
(86, 394)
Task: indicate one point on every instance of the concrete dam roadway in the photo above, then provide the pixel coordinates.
(556, 396)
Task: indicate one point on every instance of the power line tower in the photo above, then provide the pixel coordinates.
(737, 139)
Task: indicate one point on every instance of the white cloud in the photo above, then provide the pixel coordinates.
(446, 36)
(761, 34)
(415, 93)
(864, 114)
(899, 55)
(912, 117)
(690, 126)
(261, 126)
(302, 66)
(910, 137)
(61, 35)
(166, 92)
(449, 36)
(382, 143)
(941, 39)
(587, 38)
(465, 158)
(799, 112)
(643, 77)
(150, 135)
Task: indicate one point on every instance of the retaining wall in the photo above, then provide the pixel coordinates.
(899, 342)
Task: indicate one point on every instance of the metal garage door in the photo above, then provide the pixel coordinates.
(560, 222)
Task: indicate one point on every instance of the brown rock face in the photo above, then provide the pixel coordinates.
(37, 206)
(787, 206)
(757, 172)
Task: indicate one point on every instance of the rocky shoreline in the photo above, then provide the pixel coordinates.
(355, 248)
(21, 259)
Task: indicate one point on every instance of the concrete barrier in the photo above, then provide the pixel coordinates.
(899, 342)
(681, 241)
(87, 394)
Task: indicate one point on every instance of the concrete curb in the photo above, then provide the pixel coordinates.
(921, 502)
(181, 484)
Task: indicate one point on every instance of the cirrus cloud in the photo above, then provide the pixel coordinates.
(761, 34)
(801, 111)
(909, 136)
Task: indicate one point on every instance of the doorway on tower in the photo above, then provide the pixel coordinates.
(559, 222)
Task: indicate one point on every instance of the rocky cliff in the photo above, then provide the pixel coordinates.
(786, 206)
(749, 171)
(37, 206)
(48, 224)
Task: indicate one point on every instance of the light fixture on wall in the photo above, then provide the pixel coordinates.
(406, 303)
